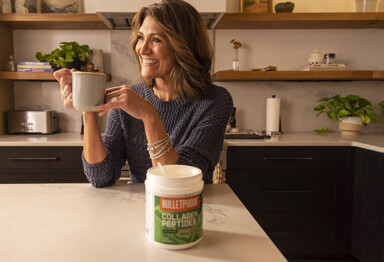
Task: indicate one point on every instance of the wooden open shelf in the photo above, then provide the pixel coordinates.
(53, 21)
(58, 21)
(227, 76)
(347, 75)
(38, 76)
(33, 76)
(301, 21)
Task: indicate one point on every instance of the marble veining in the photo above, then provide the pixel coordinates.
(215, 214)
(75, 222)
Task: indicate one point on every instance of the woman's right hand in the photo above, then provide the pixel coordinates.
(64, 77)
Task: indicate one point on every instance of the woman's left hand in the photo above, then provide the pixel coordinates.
(128, 100)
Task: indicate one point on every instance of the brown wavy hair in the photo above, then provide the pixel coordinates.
(189, 40)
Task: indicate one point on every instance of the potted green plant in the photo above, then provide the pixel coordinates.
(381, 104)
(69, 55)
(352, 112)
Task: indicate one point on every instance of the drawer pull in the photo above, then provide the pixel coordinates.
(287, 158)
(286, 191)
(33, 158)
(288, 233)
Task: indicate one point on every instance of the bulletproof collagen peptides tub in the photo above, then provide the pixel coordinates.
(174, 206)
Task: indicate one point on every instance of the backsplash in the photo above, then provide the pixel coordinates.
(286, 49)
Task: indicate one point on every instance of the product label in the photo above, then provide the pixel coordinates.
(178, 220)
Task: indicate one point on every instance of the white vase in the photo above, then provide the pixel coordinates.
(236, 65)
(366, 5)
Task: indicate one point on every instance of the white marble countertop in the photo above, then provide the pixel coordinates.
(373, 142)
(58, 139)
(76, 222)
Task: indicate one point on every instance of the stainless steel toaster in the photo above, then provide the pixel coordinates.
(40, 122)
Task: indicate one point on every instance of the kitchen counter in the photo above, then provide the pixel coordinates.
(374, 142)
(76, 222)
(58, 139)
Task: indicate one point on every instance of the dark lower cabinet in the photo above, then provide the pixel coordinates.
(41, 165)
(301, 196)
(368, 207)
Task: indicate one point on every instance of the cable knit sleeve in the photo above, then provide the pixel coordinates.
(204, 141)
(107, 172)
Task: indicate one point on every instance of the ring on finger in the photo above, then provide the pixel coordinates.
(114, 99)
(65, 91)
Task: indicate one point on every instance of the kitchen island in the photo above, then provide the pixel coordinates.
(76, 222)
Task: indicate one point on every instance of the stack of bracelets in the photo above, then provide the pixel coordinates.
(164, 144)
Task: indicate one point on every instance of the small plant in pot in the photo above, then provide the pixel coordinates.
(352, 112)
(69, 55)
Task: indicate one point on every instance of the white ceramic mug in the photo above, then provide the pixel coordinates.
(88, 90)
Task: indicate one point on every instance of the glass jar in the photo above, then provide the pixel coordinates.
(329, 58)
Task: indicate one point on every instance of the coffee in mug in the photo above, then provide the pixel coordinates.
(88, 90)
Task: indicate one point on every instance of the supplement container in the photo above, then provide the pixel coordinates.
(174, 206)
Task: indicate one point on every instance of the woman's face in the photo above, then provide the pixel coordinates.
(154, 50)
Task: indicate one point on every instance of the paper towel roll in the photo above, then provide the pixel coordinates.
(272, 114)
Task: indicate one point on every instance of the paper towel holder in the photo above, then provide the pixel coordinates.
(273, 133)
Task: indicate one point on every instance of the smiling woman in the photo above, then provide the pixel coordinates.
(175, 116)
(186, 34)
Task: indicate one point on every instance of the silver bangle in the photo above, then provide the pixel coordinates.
(153, 148)
(158, 142)
(164, 149)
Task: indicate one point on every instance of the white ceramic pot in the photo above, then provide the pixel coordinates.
(316, 58)
(366, 5)
(350, 126)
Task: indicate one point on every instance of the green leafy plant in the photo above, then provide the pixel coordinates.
(67, 53)
(381, 104)
(338, 107)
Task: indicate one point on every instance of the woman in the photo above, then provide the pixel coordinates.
(175, 116)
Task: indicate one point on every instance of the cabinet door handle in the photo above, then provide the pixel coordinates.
(288, 233)
(53, 158)
(287, 191)
(287, 158)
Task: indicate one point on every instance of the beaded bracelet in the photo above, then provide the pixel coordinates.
(164, 149)
(155, 145)
(153, 148)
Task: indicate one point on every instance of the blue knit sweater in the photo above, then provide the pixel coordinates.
(196, 128)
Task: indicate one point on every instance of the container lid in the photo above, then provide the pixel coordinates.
(175, 173)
